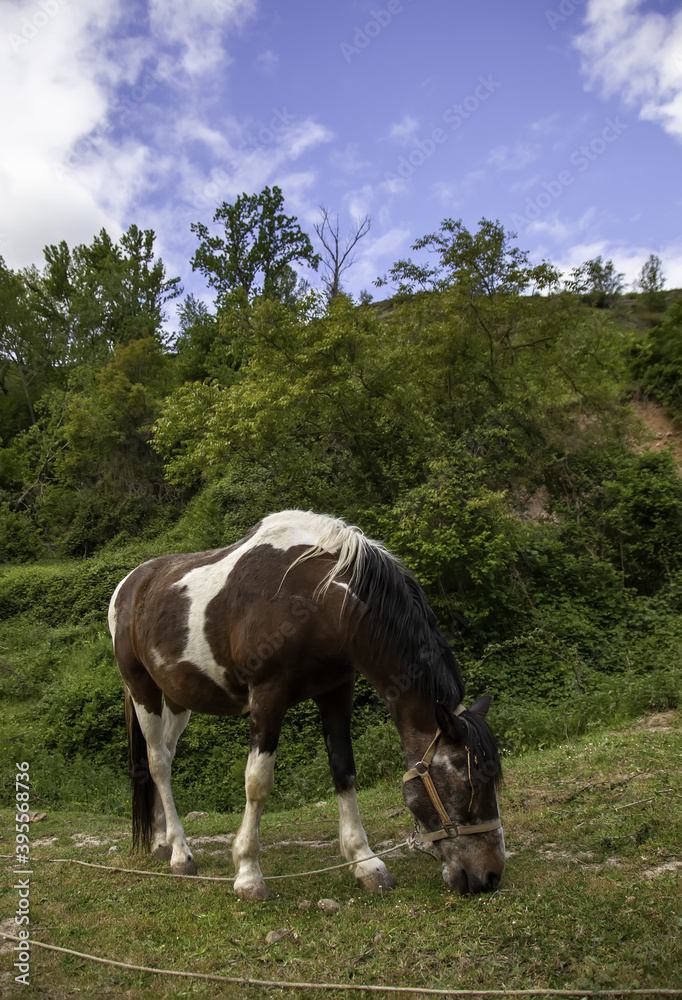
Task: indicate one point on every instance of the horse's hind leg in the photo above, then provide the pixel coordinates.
(174, 720)
(160, 757)
(335, 709)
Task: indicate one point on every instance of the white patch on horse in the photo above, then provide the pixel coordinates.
(162, 734)
(282, 531)
(370, 870)
(258, 780)
(113, 616)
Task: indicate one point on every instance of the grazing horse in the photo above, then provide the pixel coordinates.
(291, 612)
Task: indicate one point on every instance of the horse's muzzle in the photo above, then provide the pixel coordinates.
(466, 882)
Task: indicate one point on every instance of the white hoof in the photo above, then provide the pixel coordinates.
(186, 867)
(253, 891)
(374, 876)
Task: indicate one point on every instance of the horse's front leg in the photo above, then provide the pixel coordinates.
(266, 723)
(335, 709)
(259, 778)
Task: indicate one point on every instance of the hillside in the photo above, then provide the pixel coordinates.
(484, 433)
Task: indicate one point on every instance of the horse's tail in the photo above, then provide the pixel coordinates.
(140, 778)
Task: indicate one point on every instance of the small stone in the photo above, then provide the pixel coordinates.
(195, 815)
(274, 936)
(305, 904)
(36, 817)
(112, 849)
(328, 905)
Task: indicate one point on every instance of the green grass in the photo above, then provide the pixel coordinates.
(590, 898)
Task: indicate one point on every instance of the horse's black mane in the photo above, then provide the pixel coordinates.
(400, 619)
(485, 756)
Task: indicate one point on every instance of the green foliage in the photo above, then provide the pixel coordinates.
(625, 509)
(597, 281)
(657, 362)
(260, 242)
(60, 594)
(83, 709)
(19, 539)
(474, 425)
(483, 264)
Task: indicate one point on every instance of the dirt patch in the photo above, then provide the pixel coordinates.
(218, 839)
(662, 722)
(7, 926)
(660, 431)
(667, 866)
(85, 840)
(301, 843)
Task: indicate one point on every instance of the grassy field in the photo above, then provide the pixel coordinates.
(590, 898)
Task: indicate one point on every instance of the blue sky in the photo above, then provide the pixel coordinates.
(562, 119)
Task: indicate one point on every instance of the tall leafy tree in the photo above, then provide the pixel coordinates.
(597, 281)
(485, 263)
(107, 293)
(253, 253)
(30, 346)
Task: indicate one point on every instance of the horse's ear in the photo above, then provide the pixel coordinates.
(448, 723)
(481, 706)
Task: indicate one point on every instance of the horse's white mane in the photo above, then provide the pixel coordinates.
(332, 536)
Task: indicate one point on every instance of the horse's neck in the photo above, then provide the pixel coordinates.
(414, 718)
(416, 725)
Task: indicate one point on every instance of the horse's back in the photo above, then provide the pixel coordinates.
(206, 625)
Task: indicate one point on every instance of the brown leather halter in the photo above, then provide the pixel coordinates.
(449, 829)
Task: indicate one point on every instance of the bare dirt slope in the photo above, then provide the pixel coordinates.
(660, 431)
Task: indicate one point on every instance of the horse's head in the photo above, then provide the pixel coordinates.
(452, 792)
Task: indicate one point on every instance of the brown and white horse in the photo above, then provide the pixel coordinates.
(291, 612)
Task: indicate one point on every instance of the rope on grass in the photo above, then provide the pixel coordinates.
(348, 987)
(211, 878)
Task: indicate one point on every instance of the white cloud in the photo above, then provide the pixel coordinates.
(197, 26)
(560, 230)
(52, 98)
(404, 130)
(638, 55)
(376, 256)
(268, 62)
(513, 158)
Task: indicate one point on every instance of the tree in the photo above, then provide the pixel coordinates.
(597, 281)
(480, 264)
(651, 277)
(337, 259)
(205, 347)
(106, 293)
(28, 349)
(651, 281)
(253, 256)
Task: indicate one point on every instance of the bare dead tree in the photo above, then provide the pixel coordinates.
(337, 258)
